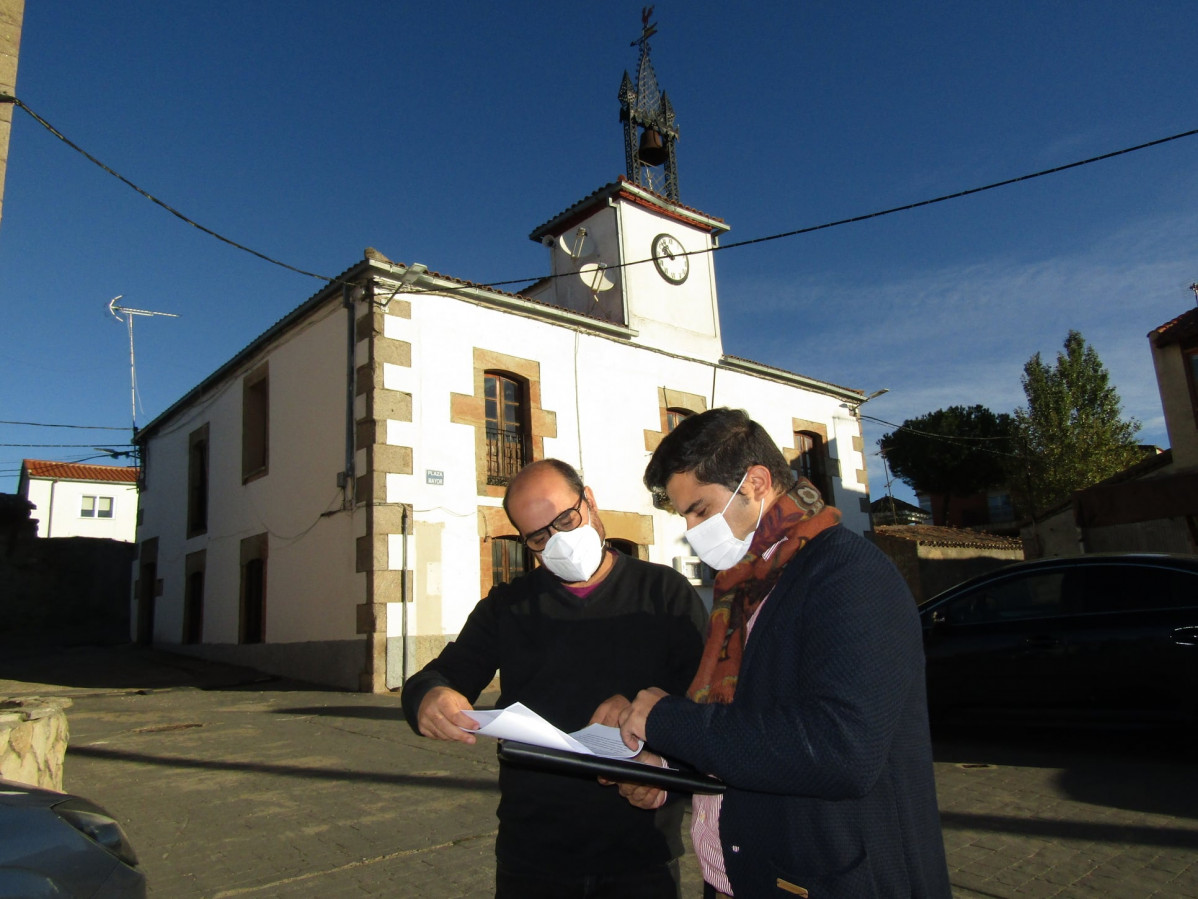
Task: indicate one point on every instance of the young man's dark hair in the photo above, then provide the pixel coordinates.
(717, 447)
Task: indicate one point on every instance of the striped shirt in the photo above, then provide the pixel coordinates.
(705, 817)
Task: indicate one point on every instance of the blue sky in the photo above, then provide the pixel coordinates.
(444, 133)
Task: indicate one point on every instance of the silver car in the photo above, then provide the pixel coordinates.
(62, 846)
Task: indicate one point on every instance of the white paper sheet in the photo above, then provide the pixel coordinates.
(518, 722)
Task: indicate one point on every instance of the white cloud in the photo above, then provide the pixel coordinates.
(961, 335)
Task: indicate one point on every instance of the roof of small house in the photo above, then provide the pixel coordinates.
(935, 535)
(80, 471)
(1180, 329)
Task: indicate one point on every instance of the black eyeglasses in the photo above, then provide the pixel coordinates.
(567, 521)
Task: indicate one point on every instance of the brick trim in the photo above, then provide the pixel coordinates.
(668, 399)
(471, 409)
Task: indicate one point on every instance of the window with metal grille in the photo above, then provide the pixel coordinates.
(507, 416)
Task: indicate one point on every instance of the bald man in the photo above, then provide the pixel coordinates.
(574, 639)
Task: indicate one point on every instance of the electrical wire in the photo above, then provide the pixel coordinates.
(71, 445)
(39, 424)
(956, 440)
(8, 98)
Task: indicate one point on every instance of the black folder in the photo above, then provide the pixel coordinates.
(564, 762)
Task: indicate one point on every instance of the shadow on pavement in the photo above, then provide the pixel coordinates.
(46, 667)
(340, 775)
(373, 713)
(1154, 771)
(1044, 829)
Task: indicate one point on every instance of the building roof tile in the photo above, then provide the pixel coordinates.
(936, 535)
(1180, 329)
(79, 471)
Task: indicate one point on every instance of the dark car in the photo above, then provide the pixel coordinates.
(59, 845)
(1104, 638)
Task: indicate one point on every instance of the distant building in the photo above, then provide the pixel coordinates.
(1151, 506)
(889, 510)
(989, 510)
(72, 499)
(933, 558)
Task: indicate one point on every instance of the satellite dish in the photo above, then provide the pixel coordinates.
(593, 276)
(577, 244)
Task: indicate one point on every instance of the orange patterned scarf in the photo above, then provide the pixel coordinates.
(785, 529)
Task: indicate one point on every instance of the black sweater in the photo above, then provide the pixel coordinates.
(642, 626)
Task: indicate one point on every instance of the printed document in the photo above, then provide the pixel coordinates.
(518, 722)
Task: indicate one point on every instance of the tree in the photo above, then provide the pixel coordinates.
(1070, 435)
(956, 451)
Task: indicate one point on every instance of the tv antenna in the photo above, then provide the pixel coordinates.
(129, 313)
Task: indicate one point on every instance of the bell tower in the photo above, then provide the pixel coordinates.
(650, 131)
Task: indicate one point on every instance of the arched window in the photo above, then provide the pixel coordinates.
(507, 426)
(812, 463)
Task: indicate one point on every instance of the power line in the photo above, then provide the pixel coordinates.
(39, 424)
(8, 98)
(71, 445)
(947, 438)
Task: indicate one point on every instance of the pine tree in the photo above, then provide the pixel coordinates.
(956, 451)
(1070, 435)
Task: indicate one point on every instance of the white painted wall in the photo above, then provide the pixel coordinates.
(312, 588)
(1177, 403)
(60, 502)
(604, 394)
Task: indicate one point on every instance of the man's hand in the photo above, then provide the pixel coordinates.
(442, 715)
(641, 795)
(609, 711)
(634, 718)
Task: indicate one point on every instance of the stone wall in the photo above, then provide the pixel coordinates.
(33, 740)
(73, 589)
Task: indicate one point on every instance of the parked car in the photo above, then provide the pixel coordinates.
(59, 845)
(1106, 638)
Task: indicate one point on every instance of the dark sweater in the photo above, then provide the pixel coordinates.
(642, 626)
(825, 746)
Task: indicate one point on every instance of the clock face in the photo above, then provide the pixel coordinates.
(670, 258)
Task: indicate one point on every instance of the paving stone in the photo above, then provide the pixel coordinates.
(230, 785)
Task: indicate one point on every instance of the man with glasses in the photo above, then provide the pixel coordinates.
(810, 701)
(573, 640)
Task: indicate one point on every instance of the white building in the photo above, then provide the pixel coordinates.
(72, 499)
(327, 506)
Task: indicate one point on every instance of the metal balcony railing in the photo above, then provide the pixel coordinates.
(505, 455)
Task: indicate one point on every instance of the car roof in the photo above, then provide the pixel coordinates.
(1176, 561)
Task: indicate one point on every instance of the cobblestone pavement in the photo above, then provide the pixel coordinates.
(231, 784)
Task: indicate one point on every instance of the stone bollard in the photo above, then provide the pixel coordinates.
(33, 740)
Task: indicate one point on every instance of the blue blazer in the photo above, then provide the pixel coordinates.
(825, 745)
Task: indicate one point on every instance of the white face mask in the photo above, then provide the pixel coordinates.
(713, 540)
(574, 555)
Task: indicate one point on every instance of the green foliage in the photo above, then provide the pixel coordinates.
(956, 451)
(1070, 434)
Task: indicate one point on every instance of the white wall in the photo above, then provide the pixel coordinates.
(59, 508)
(604, 395)
(312, 588)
